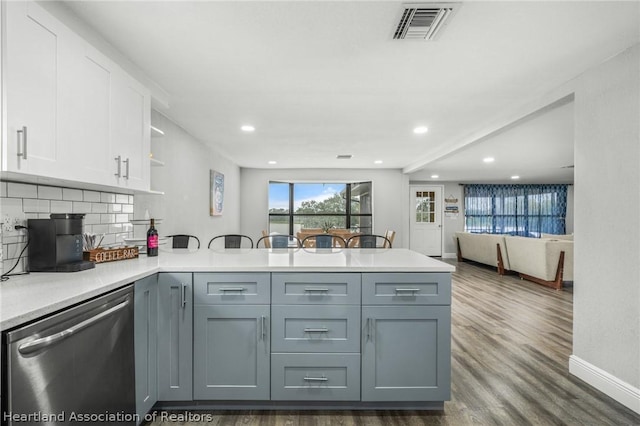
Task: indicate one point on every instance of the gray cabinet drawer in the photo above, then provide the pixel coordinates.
(317, 328)
(232, 288)
(406, 288)
(315, 377)
(316, 288)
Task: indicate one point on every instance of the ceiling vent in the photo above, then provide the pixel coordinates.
(344, 156)
(423, 21)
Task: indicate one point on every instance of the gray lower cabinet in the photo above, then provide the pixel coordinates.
(231, 342)
(145, 320)
(406, 353)
(315, 377)
(175, 336)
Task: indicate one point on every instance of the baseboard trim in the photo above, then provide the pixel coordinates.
(449, 256)
(622, 392)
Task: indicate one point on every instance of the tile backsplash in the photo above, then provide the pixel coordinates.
(105, 213)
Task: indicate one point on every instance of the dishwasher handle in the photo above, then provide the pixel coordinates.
(35, 345)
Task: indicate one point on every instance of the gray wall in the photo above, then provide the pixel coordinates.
(389, 207)
(184, 179)
(607, 227)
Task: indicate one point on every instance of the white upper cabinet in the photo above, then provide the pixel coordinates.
(86, 119)
(131, 116)
(34, 59)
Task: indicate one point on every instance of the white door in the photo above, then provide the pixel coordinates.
(425, 234)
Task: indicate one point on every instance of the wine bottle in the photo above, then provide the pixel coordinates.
(152, 240)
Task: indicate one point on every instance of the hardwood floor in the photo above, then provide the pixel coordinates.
(511, 341)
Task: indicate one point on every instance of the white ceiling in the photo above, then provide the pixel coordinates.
(319, 78)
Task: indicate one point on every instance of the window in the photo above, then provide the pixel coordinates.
(296, 206)
(526, 210)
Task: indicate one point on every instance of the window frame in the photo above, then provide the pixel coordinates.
(348, 214)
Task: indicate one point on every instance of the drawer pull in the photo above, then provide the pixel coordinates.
(316, 379)
(316, 330)
(314, 289)
(233, 289)
(407, 290)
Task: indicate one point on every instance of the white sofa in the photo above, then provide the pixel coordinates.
(547, 261)
(535, 259)
(483, 248)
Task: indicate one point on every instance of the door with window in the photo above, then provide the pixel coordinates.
(425, 227)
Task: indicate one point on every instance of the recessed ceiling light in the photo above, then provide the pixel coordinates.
(378, 162)
(489, 159)
(247, 128)
(434, 176)
(344, 156)
(420, 130)
(515, 177)
(272, 162)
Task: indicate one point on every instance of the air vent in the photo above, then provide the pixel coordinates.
(423, 21)
(344, 156)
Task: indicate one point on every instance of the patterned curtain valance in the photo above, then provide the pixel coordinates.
(526, 210)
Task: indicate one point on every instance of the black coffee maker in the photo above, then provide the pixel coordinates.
(55, 244)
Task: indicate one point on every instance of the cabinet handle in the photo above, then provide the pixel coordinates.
(315, 379)
(119, 163)
(310, 289)
(263, 327)
(233, 289)
(316, 330)
(407, 290)
(184, 295)
(367, 329)
(22, 132)
(126, 168)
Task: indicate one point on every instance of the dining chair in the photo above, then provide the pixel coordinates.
(368, 241)
(390, 235)
(323, 241)
(233, 241)
(182, 240)
(278, 241)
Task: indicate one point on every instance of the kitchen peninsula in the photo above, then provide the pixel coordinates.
(273, 328)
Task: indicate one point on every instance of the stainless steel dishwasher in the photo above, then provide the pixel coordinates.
(74, 366)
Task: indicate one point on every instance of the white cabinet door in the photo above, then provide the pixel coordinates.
(35, 45)
(85, 118)
(131, 132)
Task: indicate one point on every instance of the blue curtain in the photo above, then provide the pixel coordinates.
(526, 210)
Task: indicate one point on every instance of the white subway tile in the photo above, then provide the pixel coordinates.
(122, 198)
(122, 218)
(107, 197)
(107, 218)
(127, 208)
(49, 192)
(21, 190)
(98, 208)
(12, 207)
(115, 228)
(36, 206)
(91, 196)
(61, 207)
(101, 229)
(71, 194)
(44, 215)
(131, 199)
(92, 219)
(115, 208)
(81, 207)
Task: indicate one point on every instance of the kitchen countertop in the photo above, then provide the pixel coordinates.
(28, 297)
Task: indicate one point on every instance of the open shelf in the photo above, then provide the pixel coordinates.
(156, 133)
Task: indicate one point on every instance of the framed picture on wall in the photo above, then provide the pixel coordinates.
(217, 193)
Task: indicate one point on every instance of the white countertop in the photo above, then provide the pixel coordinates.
(25, 298)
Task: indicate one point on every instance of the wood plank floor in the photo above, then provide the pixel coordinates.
(511, 342)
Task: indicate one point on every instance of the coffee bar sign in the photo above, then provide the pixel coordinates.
(101, 255)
